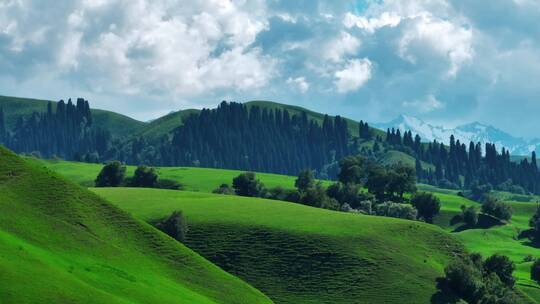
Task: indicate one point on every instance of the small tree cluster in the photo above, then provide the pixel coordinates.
(478, 281)
(390, 209)
(246, 184)
(113, 174)
(497, 208)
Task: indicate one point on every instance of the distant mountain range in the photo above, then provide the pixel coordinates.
(476, 132)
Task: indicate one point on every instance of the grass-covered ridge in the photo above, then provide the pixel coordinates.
(298, 254)
(193, 179)
(60, 243)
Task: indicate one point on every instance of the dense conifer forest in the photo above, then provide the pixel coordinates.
(236, 136)
(66, 131)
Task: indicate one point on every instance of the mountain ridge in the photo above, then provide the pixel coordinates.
(474, 131)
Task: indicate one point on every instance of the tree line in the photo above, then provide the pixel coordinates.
(235, 136)
(252, 138)
(460, 167)
(65, 131)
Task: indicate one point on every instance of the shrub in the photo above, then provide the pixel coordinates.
(144, 177)
(224, 189)
(365, 207)
(175, 226)
(496, 208)
(281, 194)
(316, 197)
(246, 184)
(111, 175)
(170, 184)
(391, 209)
(347, 193)
(427, 204)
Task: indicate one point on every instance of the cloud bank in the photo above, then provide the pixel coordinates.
(445, 61)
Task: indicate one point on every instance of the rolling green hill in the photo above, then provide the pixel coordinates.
(299, 254)
(119, 125)
(193, 179)
(497, 239)
(164, 125)
(60, 243)
(502, 239)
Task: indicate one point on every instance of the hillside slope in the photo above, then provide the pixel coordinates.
(119, 125)
(60, 243)
(488, 240)
(193, 179)
(298, 254)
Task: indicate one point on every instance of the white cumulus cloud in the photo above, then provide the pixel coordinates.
(355, 74)
(299, 83)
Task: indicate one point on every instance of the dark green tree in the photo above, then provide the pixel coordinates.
(352, 169)
(111, 175)
(305, 180)
(246, 184)
(427, 204)
(175, 226)
(402, 179)
(502, 267)
(497, 208)
(377, 181)
(144, 177)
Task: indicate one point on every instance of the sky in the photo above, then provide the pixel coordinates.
(446, 62)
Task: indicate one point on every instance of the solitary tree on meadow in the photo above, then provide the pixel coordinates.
(111, 175)
(427, 204)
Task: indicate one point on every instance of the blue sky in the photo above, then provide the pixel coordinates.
(447, 62)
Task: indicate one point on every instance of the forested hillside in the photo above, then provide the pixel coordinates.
(259, 136)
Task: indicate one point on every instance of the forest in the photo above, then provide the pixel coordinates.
(235, 136)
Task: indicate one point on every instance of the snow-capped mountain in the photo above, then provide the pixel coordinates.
(475, 132)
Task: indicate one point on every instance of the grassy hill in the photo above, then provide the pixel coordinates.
(299, 254)
(193, 179)
(488, 240)
(164, 125)
(60, 243)
(119, 125)
(496, 239)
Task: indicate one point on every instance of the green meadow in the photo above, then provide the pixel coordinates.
(497, 239)
(299, 254)
(60, 243)
(193, 179)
